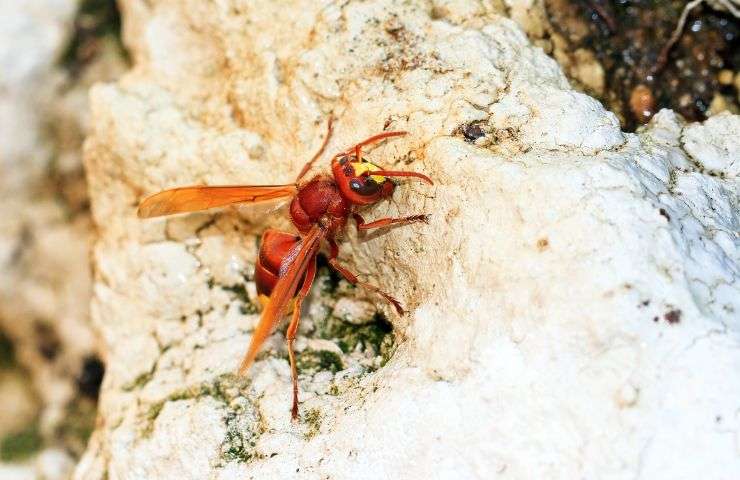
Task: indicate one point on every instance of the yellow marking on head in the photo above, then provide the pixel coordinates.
(365, 166)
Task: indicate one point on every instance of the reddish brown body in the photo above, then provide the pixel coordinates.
(320, 202)
(273, 249)
(319, 210)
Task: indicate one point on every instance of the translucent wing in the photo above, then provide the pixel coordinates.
(284, 291)
(191, 199)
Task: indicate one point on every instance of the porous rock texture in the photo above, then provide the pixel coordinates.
(573, 302)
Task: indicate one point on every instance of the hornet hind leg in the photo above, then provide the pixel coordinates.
(293, 328)
(352, 278)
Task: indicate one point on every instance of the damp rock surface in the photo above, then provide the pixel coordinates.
(573, 302)
(621, 52)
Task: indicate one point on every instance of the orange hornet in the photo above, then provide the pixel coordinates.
(319, 210)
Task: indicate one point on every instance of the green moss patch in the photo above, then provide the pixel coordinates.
(139, 382)
(314, 361)
(312, 419)
(376, 335)
(240, 439)
(371, 343)
(21, 445)
(224, 388)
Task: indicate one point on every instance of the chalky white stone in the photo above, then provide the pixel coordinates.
(573, 303)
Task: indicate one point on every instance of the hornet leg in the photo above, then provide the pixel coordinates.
(307, 166)
(352, 278)
(387, 222)
(293, 329)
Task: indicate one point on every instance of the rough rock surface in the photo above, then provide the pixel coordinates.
(573, 302)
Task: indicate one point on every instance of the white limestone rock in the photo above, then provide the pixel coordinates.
(573, 303)
(712, 145)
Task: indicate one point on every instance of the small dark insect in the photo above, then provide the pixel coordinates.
(319, 210)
